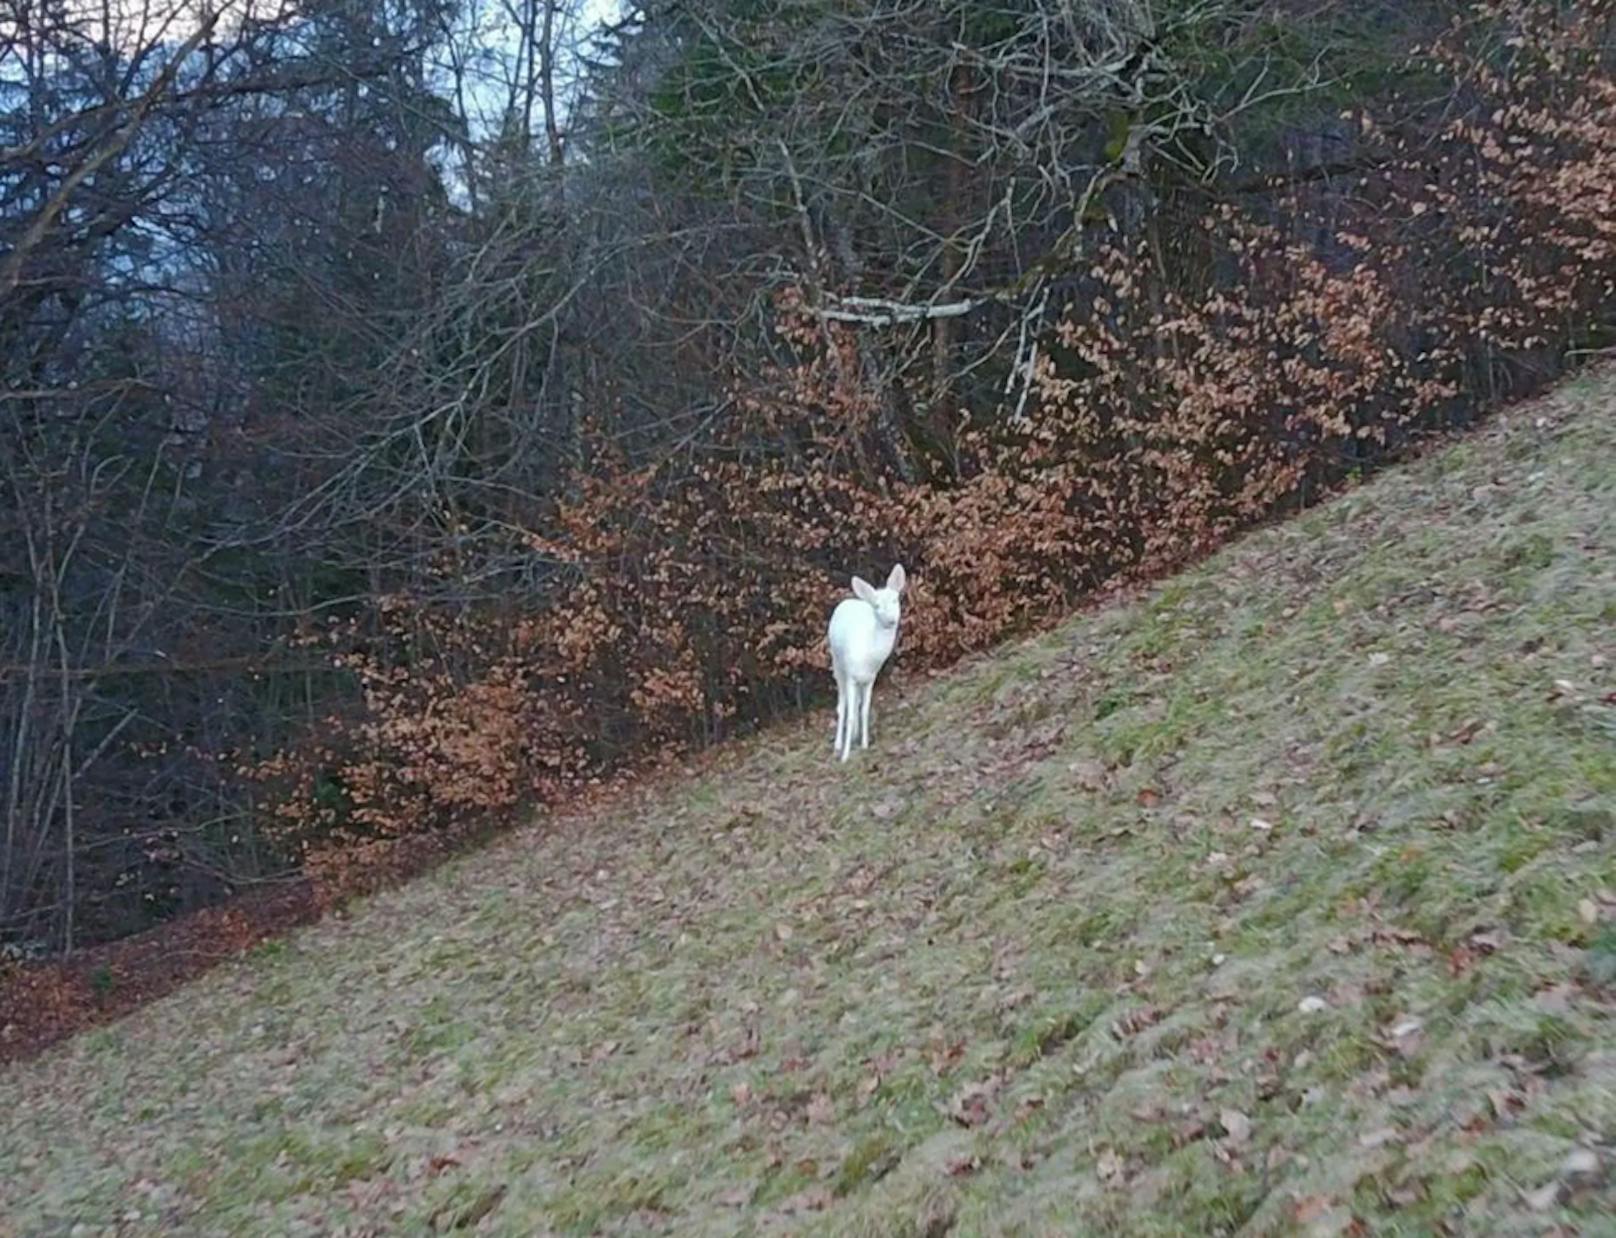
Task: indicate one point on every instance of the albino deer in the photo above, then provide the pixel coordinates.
(863, 629)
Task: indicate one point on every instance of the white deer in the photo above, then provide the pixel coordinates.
(863, 629)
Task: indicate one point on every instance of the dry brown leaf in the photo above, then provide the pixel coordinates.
(959, 1166)
(815, 1199)
(1236, 1126)
(1406, 1036)
(745, 1047)
(1028, 1106)
(1188, 1132)
(1545, 1197)
(1136, 1021)
(820, 1110)
(969, 1107)
(1109, 1165)
(1311, 1208)
(1091, 775)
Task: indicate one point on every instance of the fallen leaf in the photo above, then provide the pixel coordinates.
(746, 1047)
(1406, 1036)
(1311, 1208)
(970, 1105)
(1545, 1197)
(1136, 1021)
(814, 1199)
(1407, 1195)
(1503, 1102)
(820, 1109)
(1109, 1165)
(944, 1056)
(1556, 999)
(1012, 1001)
(1581, 1167)
(1091, 775)
(473, 1212)
(1188, 1132)
(1148, 797)
(1236, 1126)
(1395, 935)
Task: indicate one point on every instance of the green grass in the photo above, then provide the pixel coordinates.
(1038, 963)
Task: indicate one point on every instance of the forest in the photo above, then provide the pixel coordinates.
(414, 412)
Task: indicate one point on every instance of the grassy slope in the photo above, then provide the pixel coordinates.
(1030, 966)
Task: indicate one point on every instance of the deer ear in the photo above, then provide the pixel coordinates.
(897, 579)
(863, 589)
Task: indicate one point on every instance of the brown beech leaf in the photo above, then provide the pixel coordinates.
(1136, 1021)
(1236, 1127)
(1109, 1165)
(969, 1106)
(959, 1166)
(1310, 1208)
(820, 1110)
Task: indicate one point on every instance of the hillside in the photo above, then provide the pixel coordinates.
(1279, 901)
